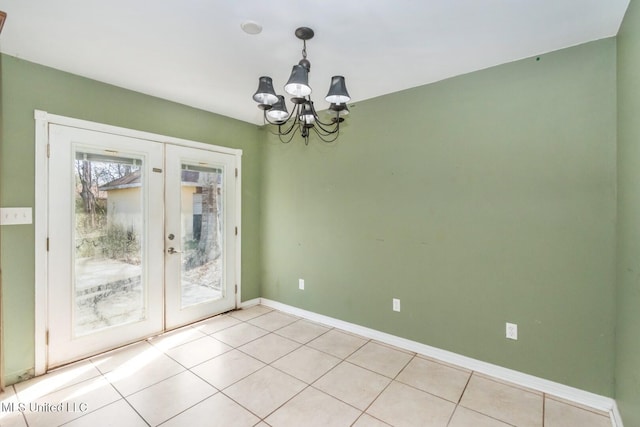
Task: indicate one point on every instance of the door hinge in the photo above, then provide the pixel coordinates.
(236, 231)
(47, 244)
(48, 150)
(236, 172)
(236, 289)
(46, 338)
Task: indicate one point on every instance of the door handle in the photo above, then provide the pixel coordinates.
(172, 250)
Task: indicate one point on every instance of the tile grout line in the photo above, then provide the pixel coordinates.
(385, 387)
(134, 409)
(248, 355)
(508, 384)
(103, 406)
(482, 413)
(276, 359)
(221, 391)
(308, 385)
(487, 416)
(369, 415)
(186, 409)
(186, 369)
(103, 374)
(199, 363)
(576, 405)
(578, 401)
(411, 385)
(125, 399)
(262, 419)
(15, 393)
(345, 360)
(340, 360)
(325, 352)
(464, 389)
(100, 374)
(374, 400)
(250, 324)
(244, 407)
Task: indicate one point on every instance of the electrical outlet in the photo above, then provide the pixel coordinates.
(512, 331)
(396, 304)
(301, 284)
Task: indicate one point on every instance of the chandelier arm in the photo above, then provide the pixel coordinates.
(295, 121)
(322, 136)
(277, 133)
(287, 140)
(322, 125)
(280, 125)
(321, 131)
(315, 113)
(328, 129)
(325, 123)
(292, 126)
(304, 132)
(280, 134)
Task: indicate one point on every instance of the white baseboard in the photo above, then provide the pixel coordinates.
(572, 394)
(249, 303)
(616, 418)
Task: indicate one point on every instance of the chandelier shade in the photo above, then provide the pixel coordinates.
(303, 118)
(338, 91)
(341, 109)
(265, 94)
(278, 111)
(298, 84)
(307, 116)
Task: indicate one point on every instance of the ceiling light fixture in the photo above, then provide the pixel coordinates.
(251, 27)
(304, 116)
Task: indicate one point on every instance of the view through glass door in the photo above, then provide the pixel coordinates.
(200, 233)
(110, 200)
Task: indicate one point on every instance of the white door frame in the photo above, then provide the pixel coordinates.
(41, 217)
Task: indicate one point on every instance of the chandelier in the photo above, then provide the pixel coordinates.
(303, 116)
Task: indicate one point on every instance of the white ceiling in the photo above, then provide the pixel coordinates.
(194, 51)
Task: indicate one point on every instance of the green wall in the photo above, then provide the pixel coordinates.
(627, 372)
(27, 86)
(479, 200)
(482, 199)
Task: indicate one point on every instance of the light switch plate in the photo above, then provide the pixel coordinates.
(14, 216)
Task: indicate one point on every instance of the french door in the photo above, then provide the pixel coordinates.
(141, 239)
(200, 234)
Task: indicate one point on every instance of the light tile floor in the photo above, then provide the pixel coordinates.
(261, 367)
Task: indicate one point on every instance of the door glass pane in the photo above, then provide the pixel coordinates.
(202, 235)
(108, 281)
